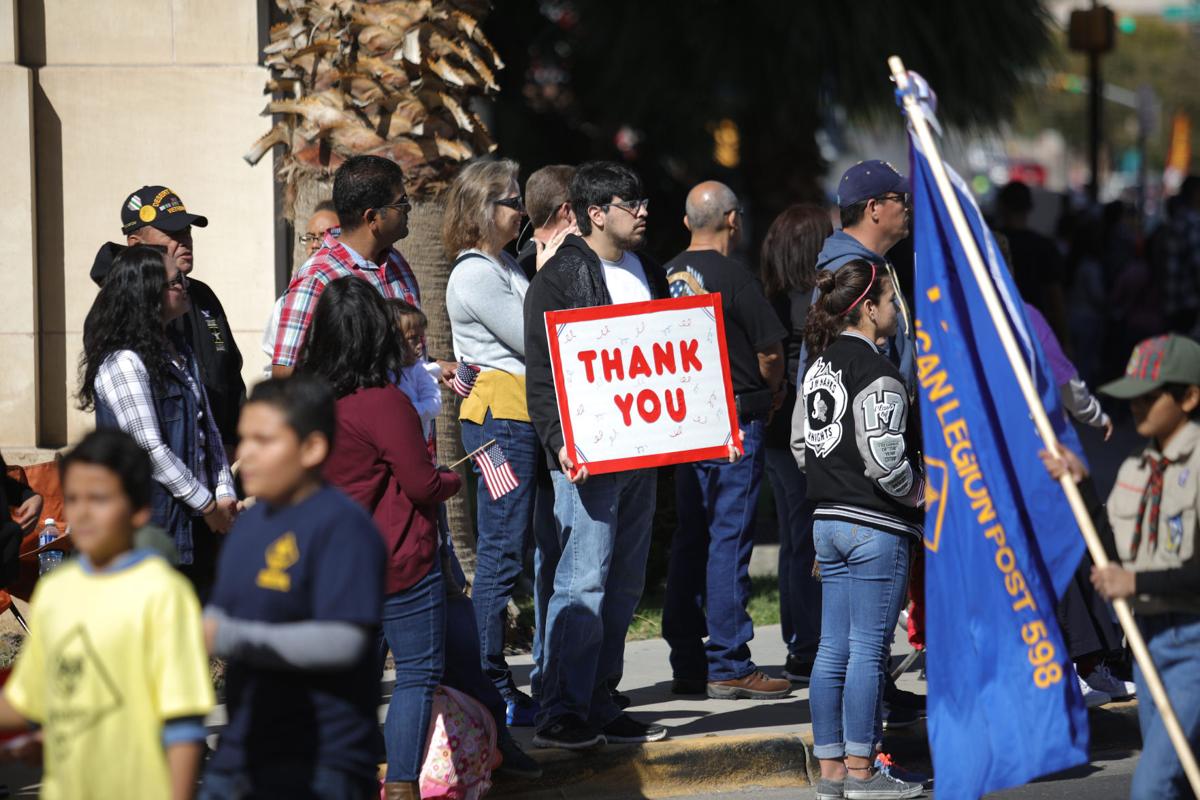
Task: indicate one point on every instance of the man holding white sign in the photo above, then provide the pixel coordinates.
(603, 522)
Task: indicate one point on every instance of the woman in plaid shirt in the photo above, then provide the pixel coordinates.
(140, 379)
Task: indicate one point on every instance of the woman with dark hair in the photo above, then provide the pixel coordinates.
(141, 378)
(789, 272)
(867, 485)
(380, 460)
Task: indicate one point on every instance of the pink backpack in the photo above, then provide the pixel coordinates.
(461, 750)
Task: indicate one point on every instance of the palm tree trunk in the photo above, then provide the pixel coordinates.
(423, 249)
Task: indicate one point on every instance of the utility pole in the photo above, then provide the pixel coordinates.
(1093, 31)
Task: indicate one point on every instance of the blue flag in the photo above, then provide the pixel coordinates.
(1001, 542)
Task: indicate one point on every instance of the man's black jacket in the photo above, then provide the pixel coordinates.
(573, 278)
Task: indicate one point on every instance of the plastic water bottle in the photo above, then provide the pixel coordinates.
(51, 558)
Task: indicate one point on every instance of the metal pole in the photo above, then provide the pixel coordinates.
(1095, 106)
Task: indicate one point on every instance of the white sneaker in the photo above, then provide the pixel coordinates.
(1103, 680)
(1093, 697)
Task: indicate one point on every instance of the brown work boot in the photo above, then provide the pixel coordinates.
(402, 790)
(755, 686)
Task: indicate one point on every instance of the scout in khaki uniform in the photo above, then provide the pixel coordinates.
(1153, 513)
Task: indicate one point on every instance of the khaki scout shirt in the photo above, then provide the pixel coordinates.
(1178, 516)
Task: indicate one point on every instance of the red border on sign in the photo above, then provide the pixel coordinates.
(592, 313)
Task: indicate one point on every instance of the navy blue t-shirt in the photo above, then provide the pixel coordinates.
(321, 559)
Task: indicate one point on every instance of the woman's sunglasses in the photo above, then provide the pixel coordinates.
(515, 203)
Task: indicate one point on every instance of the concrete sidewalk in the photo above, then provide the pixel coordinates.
(730, 745)
(712, 745)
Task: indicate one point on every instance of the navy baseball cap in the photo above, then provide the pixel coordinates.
(868, 179)
(158, 207)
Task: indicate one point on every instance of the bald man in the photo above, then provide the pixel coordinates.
(708, 580)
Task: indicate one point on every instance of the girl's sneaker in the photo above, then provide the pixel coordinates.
(880, 786)
(829, 790)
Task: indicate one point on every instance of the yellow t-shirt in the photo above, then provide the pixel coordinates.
(497, 391)
(111, 657)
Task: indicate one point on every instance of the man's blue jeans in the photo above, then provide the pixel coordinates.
(414, 629)
(863, 577)
(799, 591)
(708, 578)
(604, 535)
(1174, 643)
(502, 532)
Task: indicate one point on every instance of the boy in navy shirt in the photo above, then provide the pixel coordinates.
(294, 611)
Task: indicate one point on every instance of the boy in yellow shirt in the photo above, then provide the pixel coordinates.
(115, 669)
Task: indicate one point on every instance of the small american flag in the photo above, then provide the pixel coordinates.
(464, 379)
(497, 473)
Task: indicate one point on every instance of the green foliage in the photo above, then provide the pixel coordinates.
(1160, 54)
(779, 69)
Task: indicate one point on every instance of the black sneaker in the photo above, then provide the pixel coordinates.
(517, 762)
(622, 701)
(896, 717)
(626, 729)
(798, 670)
(568, 733)
(689, 686)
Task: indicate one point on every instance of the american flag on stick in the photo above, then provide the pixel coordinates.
(497, 473)
(464, 379)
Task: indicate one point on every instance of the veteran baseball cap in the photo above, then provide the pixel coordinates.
(1156, 362)
(158, 207)
(868, 179)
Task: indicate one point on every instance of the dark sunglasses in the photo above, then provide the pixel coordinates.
(515, 203)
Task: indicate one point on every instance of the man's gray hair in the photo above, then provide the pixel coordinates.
(706, 211)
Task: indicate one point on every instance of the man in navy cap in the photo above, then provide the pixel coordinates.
(875, 210)
(155, 215)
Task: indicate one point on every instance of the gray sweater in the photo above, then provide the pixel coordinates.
(486, 301)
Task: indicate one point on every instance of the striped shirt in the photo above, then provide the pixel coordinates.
(123, 383)
(394, 279)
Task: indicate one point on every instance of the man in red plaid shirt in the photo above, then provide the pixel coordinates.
(372, 206)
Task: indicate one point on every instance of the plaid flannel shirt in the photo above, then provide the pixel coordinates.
(124, 384)
(335, 260)
(1182, 290)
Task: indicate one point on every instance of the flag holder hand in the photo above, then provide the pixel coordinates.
(921, 127)
(468, 456)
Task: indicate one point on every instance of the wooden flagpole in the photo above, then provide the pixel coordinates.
(483, 446)
(1041, 420)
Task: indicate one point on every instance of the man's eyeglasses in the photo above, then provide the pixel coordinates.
(900, 197)
(309, 238)
(515, 203)
(631, 206)
(179, 282)
(741, 212)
